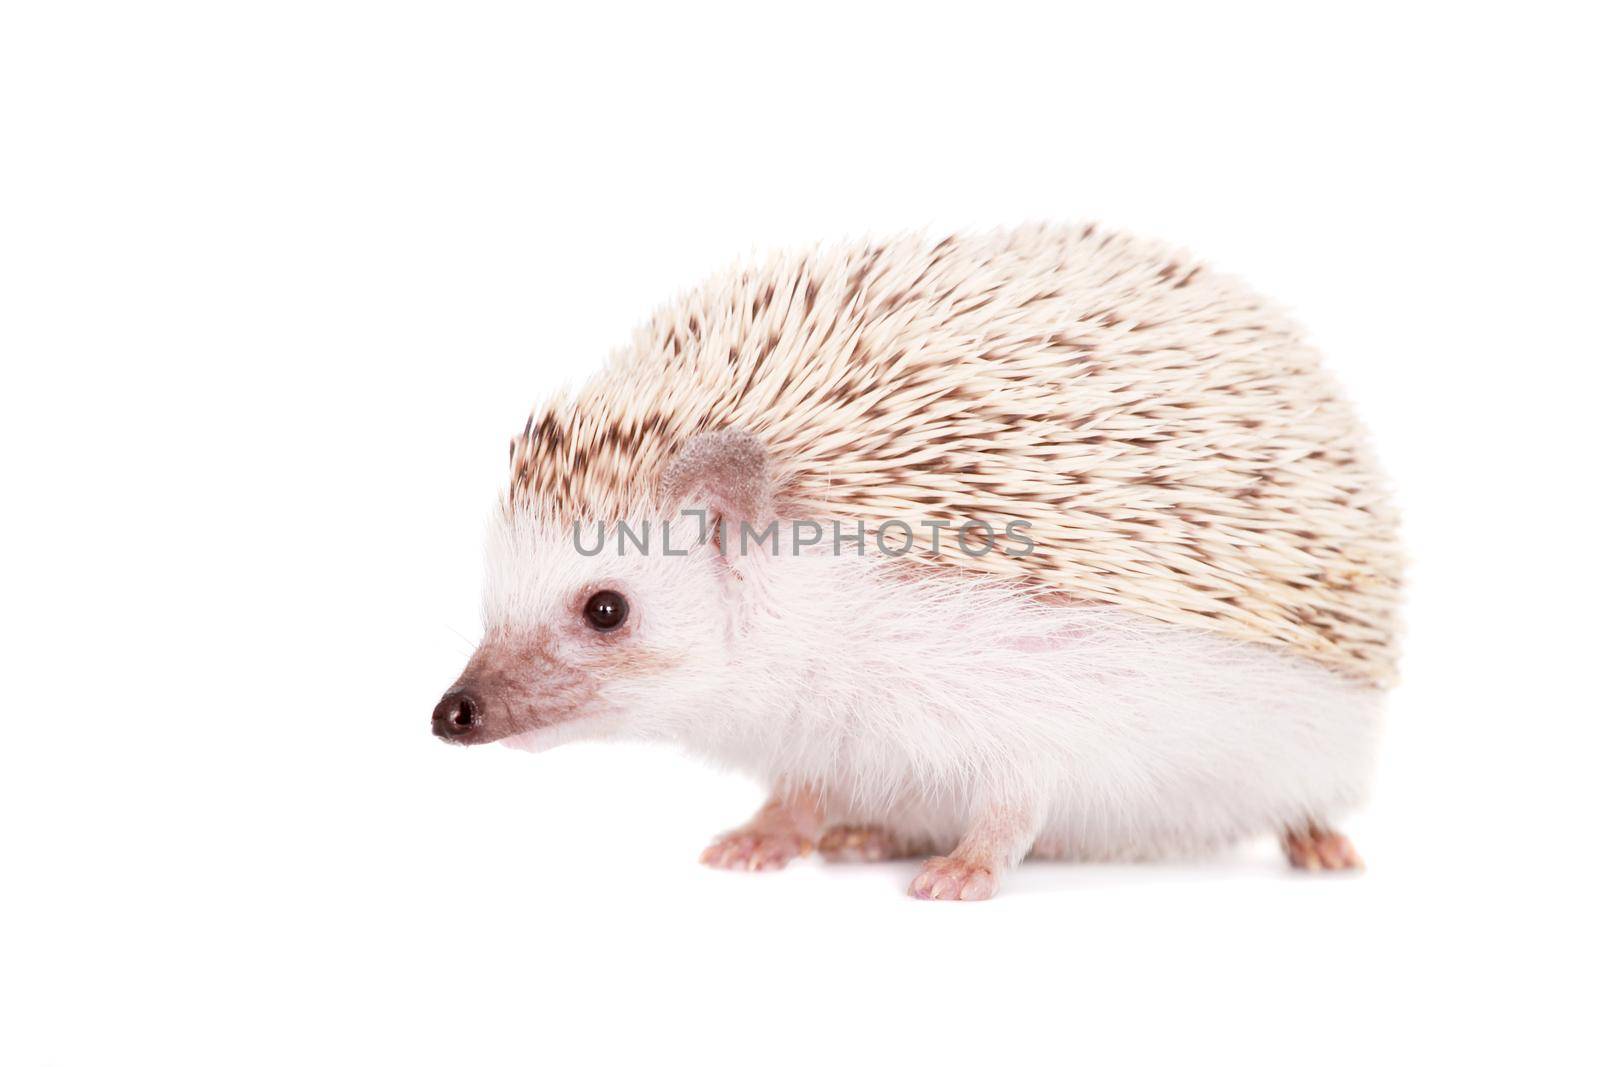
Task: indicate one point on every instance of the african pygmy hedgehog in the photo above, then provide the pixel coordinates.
(1160, 616)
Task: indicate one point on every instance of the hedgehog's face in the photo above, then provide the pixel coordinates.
(591, 637)
(585, 646)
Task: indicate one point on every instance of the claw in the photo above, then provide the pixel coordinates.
(948, 878)
(1319, 849)
(754, 851)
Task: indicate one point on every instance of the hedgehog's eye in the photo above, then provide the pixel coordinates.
(606, 610)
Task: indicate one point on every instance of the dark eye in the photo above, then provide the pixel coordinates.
(606, 610)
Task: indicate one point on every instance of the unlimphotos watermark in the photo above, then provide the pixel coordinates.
(894, 537)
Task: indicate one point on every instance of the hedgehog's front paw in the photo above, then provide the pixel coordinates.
(948, 878)
(755, 850)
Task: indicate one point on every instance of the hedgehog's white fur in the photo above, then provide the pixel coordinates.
(1194, 652)
(912, 700)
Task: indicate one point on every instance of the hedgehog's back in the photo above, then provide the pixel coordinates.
(1170, 438)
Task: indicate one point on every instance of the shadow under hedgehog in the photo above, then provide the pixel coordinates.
(1181, 638)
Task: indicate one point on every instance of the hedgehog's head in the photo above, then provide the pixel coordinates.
(614, 626)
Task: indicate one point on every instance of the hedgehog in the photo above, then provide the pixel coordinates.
(1049, 541)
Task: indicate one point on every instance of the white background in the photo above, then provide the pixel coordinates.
(278, 282)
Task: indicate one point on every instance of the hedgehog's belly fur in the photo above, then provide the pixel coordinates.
(1138, 739)
(1273, 757)
(1150, 806)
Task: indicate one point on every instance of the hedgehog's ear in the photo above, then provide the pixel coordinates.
(726, 473)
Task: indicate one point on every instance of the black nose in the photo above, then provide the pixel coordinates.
(457, 716)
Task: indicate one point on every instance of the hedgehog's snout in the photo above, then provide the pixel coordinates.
(457, 716)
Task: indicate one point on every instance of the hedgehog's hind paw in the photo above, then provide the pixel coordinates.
(1316, 848)
(861, 844)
